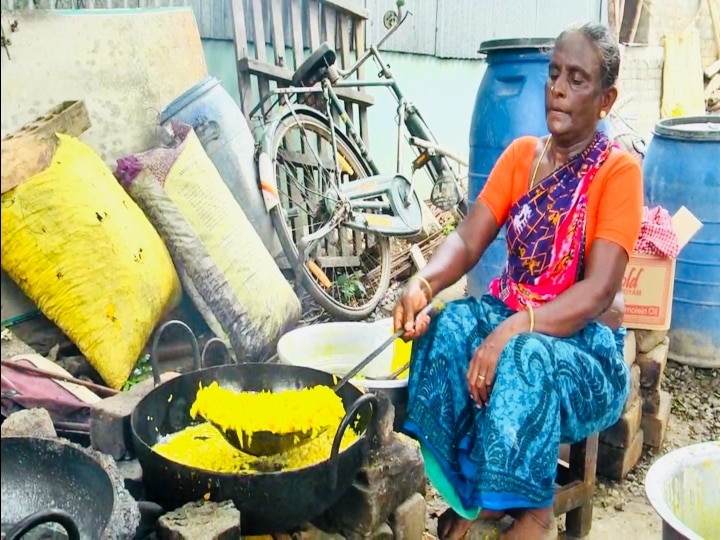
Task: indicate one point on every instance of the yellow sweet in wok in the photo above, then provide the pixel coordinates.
(203, 447)
(307, 410)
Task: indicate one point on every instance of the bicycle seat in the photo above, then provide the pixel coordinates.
(308, 72)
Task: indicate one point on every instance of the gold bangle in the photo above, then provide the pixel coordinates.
(531, 313)
(426, 283)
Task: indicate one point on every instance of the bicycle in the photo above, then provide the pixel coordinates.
(335, 221)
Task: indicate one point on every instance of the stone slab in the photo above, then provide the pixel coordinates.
(205, 519)
(394, 473)
(110, 419)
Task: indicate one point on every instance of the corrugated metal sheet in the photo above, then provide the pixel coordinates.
(416, 35)
(463, 24)
(444, 28)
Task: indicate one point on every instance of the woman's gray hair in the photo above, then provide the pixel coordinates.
(607, 47)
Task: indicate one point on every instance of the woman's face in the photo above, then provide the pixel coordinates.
(573, 94)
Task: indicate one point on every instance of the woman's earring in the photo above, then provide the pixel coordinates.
(603, 114)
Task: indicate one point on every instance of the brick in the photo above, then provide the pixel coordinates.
(394, 472)
(35, 423)
(655, 426)
(651, 401)
(110, 419)
(647, 340)
(634, 394)
(652, 365)
(630, 349)
(408, 520)
(622, 433)
(615, 463)
(205, 519)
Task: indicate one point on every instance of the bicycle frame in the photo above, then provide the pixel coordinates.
(431, 155)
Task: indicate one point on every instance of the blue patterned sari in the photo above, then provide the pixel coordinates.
(546, 391)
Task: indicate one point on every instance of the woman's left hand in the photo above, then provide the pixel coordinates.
(481, 372)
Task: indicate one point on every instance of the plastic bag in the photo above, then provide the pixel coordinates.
(224, 266)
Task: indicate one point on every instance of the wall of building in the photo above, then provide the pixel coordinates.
(642, 65)
(125, 64)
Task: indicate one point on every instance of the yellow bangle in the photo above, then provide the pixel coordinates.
(426, 283)
(531, 313)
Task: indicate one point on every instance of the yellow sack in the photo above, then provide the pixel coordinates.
(82, 250)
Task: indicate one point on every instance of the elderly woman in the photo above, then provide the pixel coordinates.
(497, 383)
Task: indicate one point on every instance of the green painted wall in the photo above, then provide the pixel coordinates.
(443, 90)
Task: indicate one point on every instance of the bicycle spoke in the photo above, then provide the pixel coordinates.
(342, 261)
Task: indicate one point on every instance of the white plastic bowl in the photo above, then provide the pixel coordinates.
(338, 347)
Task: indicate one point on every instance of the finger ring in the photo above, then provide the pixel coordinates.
(481, 377)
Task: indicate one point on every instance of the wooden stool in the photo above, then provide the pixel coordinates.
(576, 485)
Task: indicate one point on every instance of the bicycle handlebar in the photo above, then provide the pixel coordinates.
(401, 16)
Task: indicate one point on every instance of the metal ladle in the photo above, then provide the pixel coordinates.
(267, 443)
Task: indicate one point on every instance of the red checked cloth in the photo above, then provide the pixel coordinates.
(657, 236)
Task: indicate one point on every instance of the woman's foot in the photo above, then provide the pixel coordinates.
(536, 524)
(453, 527)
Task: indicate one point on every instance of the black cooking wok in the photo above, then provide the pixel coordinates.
(268, 502)
(45, 480)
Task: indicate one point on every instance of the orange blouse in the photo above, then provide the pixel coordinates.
(615, 198)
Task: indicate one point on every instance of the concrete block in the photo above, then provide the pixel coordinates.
(651, 401)
(29, 423)
(622, 433)
(634, 394)
(131, 472)
(630, 350)
(615, 463)
(408, 520)
(207, 520)
(384, 532)
(647, 340)
(652, 365)
(394, 472)
(110, 419)
(654, 426)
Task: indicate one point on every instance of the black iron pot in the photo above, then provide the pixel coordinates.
(48, 481)
(268, 502)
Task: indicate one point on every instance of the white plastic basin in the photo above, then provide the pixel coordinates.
(683, 487)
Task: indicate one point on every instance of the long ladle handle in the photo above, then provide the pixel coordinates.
(432, 309)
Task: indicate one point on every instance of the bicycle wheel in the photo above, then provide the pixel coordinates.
(348, 273)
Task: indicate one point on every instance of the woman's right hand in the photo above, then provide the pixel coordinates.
(407, 308)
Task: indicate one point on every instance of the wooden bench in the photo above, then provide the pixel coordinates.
(576, 486)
